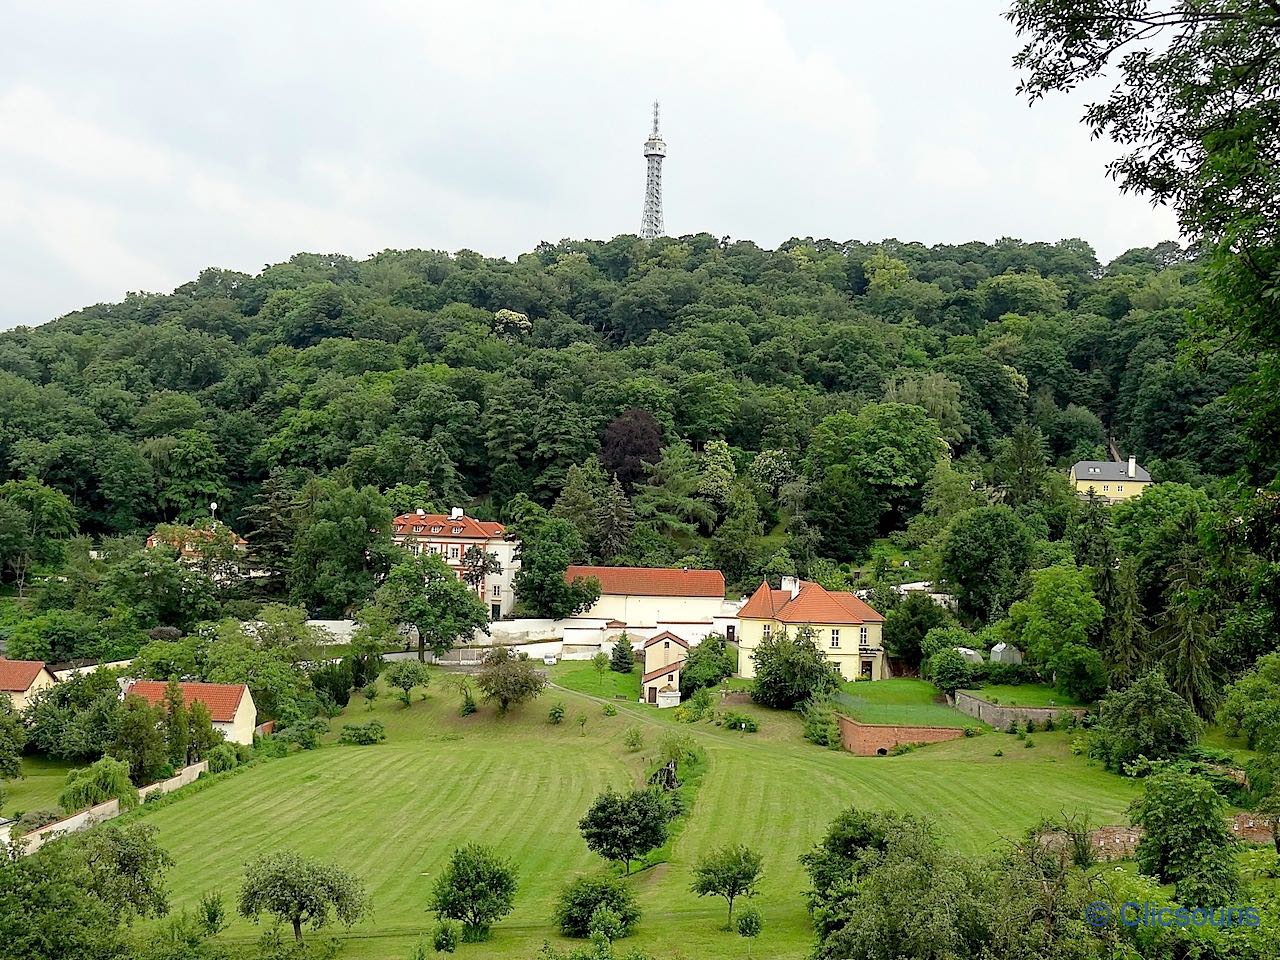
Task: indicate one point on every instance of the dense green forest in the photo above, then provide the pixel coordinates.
(846, 411)
(482, 378)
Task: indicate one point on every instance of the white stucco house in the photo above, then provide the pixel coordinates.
(647, 596)
(449, 537)
(230, 704)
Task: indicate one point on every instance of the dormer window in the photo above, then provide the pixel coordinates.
(436, 529)
(456, 529)
(417, 528)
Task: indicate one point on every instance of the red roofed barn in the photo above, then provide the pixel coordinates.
(230, 704)
(846, 629)
(22, 678)
(640, 596)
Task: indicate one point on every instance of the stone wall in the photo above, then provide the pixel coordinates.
(1002, 718)
(1116, 842)
(877, 739)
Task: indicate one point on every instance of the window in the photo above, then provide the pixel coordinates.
(835, 638)
(1106, 488)
(862, 636)
(433, 548)
(456, 529)
(437, 528)
(671, 676)
(497, 590)
(453, 553)
(767, 631)
(417, 528)
(666, 644)
(1119, 488)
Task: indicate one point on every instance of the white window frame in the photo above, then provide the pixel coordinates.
(497, 591)
(453, 553)
(862, 636)
(766, 632)
(835, 638)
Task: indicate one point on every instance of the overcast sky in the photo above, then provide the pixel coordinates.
(141, 142)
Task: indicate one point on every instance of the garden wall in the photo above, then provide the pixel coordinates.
(85, 819)
(1002, 718)
(877, 739)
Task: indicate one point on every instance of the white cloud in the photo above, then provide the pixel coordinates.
(143, 141)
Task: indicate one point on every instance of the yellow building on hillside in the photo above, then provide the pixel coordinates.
(846, 629)
(1112, 480)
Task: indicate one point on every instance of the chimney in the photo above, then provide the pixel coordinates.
(455, 513)
(791, 585)
(420, 512)
(1133, 468)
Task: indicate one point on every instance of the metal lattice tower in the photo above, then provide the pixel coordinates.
(654, 151)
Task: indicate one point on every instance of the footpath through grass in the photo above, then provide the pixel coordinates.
(392, 813)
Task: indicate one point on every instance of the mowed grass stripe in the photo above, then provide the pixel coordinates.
(392, 813)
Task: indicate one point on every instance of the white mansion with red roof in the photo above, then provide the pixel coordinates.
(449, 537)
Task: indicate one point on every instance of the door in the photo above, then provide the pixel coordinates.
(495, 611)
(730, 633)
(653, 694)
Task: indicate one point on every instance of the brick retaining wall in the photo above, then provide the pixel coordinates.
(877, 739)
(1002, 718)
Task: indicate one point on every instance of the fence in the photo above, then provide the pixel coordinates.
(33, 841)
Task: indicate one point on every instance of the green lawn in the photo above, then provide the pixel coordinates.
(905, 701)
(393, 812)
(1026, 695)
(38, 789)
(580, 675)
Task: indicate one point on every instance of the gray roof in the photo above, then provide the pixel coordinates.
(1108, 471)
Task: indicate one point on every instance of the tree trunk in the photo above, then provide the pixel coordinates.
(297, 929)
(422, 648)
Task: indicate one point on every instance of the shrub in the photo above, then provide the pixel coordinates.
(580, 900)
(682, 714)
(901, 748)
(35, 819)
(223, 757)
(701, 703)
(1146, 719)
(305, 733)
(970, 731)
(363, 734)
(446, 937)
(1029, 743)
(1030, 726)
(556, 714)
(370, 693)
(107, 779)
(818, 718)
(948, 671)
(740, 721)
(998, 753)
(478, 887)
(610, 710)
(606, 925)
(679, 747)
(335, 680)
(633, 739)
(749, 923)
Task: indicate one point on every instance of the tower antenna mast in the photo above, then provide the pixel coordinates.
(655, 150)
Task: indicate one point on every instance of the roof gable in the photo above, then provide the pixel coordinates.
(652, 581)
(812, 604)
(440, 525)
(17, 676)
(222, 699)
(665, 635)
(669, 668)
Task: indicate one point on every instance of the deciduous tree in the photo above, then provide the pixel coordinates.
(301, 891)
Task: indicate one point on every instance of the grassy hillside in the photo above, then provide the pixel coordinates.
(393, 812)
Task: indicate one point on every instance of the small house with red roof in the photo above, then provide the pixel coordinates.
(846, 629)
(22, 679)
(664, 656)
(450, 537)
(230, 704)
(646, 596)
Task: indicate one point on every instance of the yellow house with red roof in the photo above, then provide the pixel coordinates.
(846, 629)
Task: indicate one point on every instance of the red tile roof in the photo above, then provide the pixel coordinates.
(665, 635)
(222, 699)
(669, 668)
(813, 604)
(16, 676)
(653, 581)
(469, 528)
